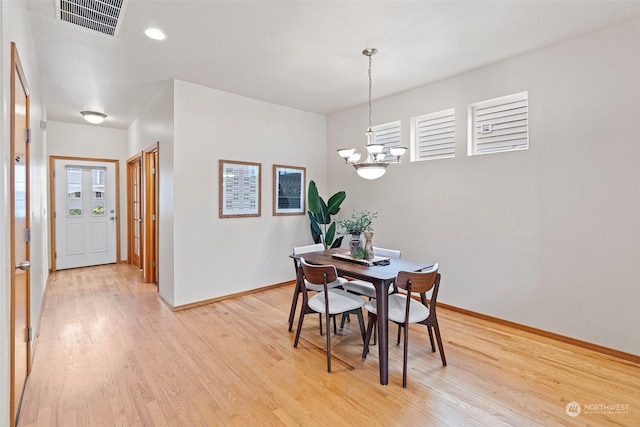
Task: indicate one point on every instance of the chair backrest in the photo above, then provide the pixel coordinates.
(318, 274)
(391, 253)
(420, 282)
(309, 248)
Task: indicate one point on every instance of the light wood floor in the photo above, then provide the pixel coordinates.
(110, 353)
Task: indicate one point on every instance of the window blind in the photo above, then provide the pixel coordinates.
(501, 124)
(433, 135)
(389, 135)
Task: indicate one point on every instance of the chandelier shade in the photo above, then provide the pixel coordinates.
(370, 170)
(375, 163)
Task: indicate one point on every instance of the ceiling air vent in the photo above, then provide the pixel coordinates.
(103, 16)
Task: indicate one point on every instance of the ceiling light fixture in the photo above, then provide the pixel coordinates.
(375, 165)
(93, 117)
(155, 33)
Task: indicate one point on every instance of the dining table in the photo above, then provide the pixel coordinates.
(381, 276)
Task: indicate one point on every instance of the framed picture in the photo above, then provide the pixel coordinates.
(240, 189)
(288, 190)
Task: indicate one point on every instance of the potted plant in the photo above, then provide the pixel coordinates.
(360, 222)
(323, 230)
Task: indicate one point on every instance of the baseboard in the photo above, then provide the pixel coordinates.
(225, 297)
(562, 338)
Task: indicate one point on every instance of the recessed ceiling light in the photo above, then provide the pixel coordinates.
(155, 33)
(93, 117)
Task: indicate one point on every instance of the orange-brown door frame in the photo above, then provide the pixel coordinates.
(135, 209)
(151, 220)
(20, 238)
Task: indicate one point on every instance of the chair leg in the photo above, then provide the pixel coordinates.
(405, 355)
(329, 340)
(345, 318)
(294, 305)
(433, 347)
(335, 329)
(372, 321)
(399, 330)
(440, 347)
(300, 320)
(320, 321)
(361, 322)
(375, 334)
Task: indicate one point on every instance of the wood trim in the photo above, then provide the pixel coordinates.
(52, 201)
(130, 219)
(225, 297)
(17, 72)
(562, 338)
(150, 184)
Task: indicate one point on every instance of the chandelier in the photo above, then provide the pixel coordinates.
(375, 164)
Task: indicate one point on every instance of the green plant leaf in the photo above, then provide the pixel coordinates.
(328, 238)
(313, 198)
(335, 201)
(337, 243)
(316, 232)
(323, 216)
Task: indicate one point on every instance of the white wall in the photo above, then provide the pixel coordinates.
(155, 125)
(94, 142)
(15, 27)
(214, 256)
(547, 237)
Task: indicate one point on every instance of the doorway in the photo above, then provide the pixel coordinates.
(20, 236)
(85, 204)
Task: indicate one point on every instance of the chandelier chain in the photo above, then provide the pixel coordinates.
(370, 91)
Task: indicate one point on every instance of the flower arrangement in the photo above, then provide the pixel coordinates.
(358, 223)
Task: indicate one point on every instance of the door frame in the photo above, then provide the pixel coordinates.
(151, 214)
(130, 208)
(52, 200)
(17, 73)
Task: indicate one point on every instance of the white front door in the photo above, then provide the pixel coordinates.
(85, 213)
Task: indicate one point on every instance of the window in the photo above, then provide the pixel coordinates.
(499, 124)
(433, 136)
(388, 135)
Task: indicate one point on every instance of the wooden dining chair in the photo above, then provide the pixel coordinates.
(404, 310)
(330, 302)
(298, 286)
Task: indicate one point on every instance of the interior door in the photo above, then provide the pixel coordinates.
(152, 228)
(85, 213)
(134, 209)
(20, 235)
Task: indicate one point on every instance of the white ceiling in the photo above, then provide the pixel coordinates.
(302, 54)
